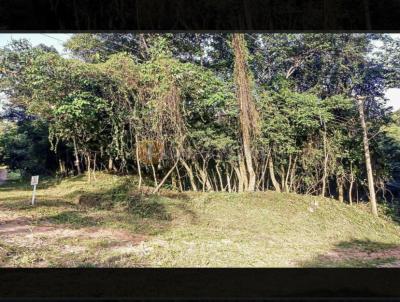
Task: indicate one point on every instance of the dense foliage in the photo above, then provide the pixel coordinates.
(165, 107)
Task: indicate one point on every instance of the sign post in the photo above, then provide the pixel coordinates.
(34, 182)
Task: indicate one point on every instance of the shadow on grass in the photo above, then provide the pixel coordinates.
(20, 204)
(73, 219)
(11, 185)
(142, 205)
(148, 207)
(357, 253)
(366, 245)
(122, 206)
(114, 194)
(25, 185)
(45, 182)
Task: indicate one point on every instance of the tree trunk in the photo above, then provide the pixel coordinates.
(240, 180)
(287, 174)
(189, 171)
(138, 162)
(228, 180)
(282, 176)
(77, 165)
(292, 174)
(234, 187)
(243, 173)
(247, 110)
(204, 176)
(165, 178)
(371, 187)
(94, 165)
(272, 175)
(351, 184)
(214, 181)
(325, 162)
(62, 167)
(179, 179)
(154, 175)
(88, 165)
(220, 177)
(174, 182)
(264, 169)
(351, 192)
(110, 164)
(339, 182)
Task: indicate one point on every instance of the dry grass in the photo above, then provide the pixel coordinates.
(121, 227)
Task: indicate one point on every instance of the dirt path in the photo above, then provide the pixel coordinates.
(3, 176)
(21, 227)
(83, 245)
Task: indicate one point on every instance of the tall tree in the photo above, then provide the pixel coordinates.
(248, 114)
(371, 186)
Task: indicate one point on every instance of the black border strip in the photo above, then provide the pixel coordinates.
(190, 15)
(199, 283)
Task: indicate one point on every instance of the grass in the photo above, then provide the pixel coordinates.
(114, 225)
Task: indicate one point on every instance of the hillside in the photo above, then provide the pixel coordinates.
(107, 223)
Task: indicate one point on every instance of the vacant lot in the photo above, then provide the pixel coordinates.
(107, 223)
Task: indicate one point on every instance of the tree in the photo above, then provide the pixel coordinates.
(371, 186)
(248, 114)
(24, 146)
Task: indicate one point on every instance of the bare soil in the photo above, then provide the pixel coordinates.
(356, 254)
(21, 232)
(22, 227)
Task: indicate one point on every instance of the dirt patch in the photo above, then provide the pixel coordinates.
(19, 225)
(21, 230)
(357, 254)
(23, 226)
(113, 234)
(30, 243)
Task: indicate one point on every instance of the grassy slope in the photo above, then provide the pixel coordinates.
(190, 229)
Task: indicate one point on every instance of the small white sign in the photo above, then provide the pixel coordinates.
(34, 180)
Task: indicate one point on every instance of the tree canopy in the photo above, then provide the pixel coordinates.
(211, 112)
